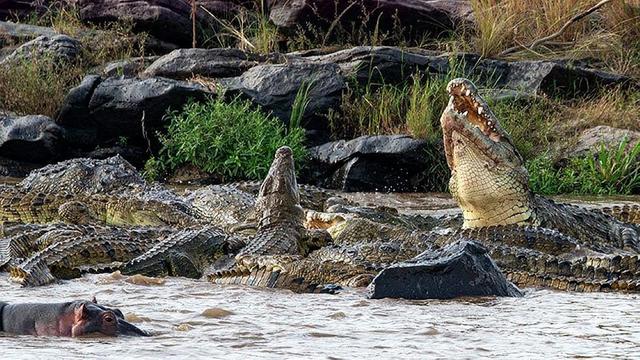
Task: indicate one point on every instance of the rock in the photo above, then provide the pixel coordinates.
(391, 65)
(58, 47)
(23, 8)
(417, 18)
(128, 67)
(371, 163)
(96, 176)
(16, 33)
(460, 269)
(31, 138)
(590, 140)
(274, 87)
(15, 169)
(213, 63)
(167, 20)
(102, 112)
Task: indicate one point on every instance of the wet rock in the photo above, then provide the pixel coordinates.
(213, 63)
(274, 87)
(31, 138)
(96, 176)
(463, 268)
(128, 67)
(167, 20)
(592, 139)
(60, 48)
(370, 163)
(16, 33)
(415, 18)
(115, 109)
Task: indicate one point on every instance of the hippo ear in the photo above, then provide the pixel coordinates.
(81, 311)
(94, 300)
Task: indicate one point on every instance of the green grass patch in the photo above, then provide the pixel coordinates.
(609, 171)
(232, 140)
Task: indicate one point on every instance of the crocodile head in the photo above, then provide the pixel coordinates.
(488, 177)
(279, 198)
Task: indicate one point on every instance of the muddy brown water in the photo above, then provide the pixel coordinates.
(194, 319)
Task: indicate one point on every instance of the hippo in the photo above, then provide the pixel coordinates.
(75, 318)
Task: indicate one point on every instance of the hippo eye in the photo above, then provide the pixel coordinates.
(108, 318)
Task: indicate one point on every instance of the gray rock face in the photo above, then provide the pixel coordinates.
(460, 269)
(102, 111)
(167, 20)
(128, 67)
(392, 65)
(590, 140)
(17, 33)
(371, 163)
(32, 138)
(417, 17)
(215, 63)
(57, 47)
(274, 87)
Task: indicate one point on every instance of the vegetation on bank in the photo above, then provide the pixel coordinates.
(607, 39)
(231, 139)
(39, 85)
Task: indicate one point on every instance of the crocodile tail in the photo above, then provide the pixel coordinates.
(38, 274)
(565, 283)
(628, 213)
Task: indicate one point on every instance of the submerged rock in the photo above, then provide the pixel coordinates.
(370, 163)
(463, 268)
(31, 138)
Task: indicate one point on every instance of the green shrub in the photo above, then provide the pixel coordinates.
(607, 172)
(232, 140)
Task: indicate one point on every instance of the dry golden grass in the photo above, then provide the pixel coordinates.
(611, 34)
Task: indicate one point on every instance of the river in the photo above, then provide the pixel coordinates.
(194, 319)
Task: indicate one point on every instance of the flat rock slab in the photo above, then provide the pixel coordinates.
(463, 268)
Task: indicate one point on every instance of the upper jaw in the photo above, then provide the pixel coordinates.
(468, 115)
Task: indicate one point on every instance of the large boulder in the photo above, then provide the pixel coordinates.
(370, 163)
(275, 86)
(414, 18)
(463, 268)
(591, 140)
(167, 20)
(31, 138)
(24, 8)
(213, 63)
(59, 48)
(116, 109)
(15, 33)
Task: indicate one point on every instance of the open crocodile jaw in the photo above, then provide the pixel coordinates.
(488, 179)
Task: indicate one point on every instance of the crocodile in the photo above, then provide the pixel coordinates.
(280, 229)
(32, 206)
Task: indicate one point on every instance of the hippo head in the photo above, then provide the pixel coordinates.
(93, 319)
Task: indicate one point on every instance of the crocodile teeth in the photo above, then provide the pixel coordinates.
(466, 112)
(468, 92)
(480, 109)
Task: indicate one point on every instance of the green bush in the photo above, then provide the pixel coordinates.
(608, 172)
(232, 140)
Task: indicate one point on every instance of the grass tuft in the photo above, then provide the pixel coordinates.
(232, 140)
